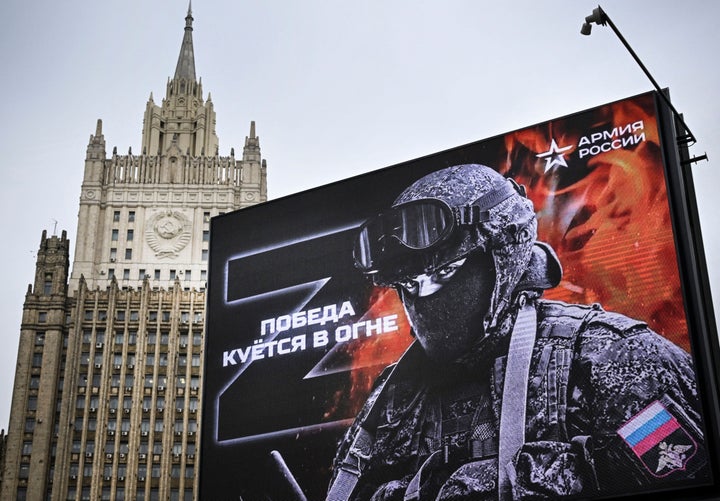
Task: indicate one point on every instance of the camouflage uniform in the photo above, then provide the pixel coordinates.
(591, 373)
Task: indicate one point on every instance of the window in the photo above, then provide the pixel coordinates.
(102, 315)
(197, 339)
(119, 337)
(47, 284)
(37, 360)
(114, 236)
(203, 275)
(157, 274)
(134, 316)
(34, 382)
(126, 274)
(165, 316)
(27, 448)
(141, 273)
(206, 217)
(40, 337)
(111, 273)
(113, 254)
(206, 236)
(150, 360)
(204, 254)
(130, 235)
(128, 253)
(131, 216)
(42, 317)
(116, 216)
(188, 274)
(120, 315)
(173, 274)
(29, 425)
(196, 360)
(88, 314)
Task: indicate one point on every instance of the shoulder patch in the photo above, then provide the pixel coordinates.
(658, 440)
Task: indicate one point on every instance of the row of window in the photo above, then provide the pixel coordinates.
(175, 495)
(134, 316)
(174, 274)
(149, 382)
(151, 337)
(115, 235)
(155, 471)
(143, 448)
(131, 216)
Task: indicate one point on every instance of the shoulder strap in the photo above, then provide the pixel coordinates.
(514, 396)
(350, 469)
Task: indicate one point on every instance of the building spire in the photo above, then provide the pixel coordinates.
(186, 61)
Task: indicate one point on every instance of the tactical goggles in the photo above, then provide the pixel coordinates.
(401, 241)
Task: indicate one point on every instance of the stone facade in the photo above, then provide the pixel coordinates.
(107, 396)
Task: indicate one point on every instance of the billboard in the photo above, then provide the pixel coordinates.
(526, 316)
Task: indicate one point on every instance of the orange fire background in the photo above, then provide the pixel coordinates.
(607, 217)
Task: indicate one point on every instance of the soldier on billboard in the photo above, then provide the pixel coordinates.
(505, 395)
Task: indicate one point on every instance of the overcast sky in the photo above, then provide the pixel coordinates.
(337, 88)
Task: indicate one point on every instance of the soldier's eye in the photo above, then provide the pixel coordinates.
(449, 270)
(409, 285)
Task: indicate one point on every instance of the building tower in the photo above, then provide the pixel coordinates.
(107, 395)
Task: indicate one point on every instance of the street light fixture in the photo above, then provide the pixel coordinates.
(600, 17)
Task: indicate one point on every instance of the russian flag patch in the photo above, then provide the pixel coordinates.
(658, 439)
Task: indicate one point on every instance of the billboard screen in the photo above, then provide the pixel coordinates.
(524, 317)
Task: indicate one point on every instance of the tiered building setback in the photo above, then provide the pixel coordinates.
(107, 395)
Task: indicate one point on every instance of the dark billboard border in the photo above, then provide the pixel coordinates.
(691, 266)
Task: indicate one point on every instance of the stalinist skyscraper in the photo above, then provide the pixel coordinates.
(107, 396)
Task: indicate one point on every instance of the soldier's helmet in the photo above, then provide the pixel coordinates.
(449, 214)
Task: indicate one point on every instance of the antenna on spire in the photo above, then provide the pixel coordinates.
(54, 226)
